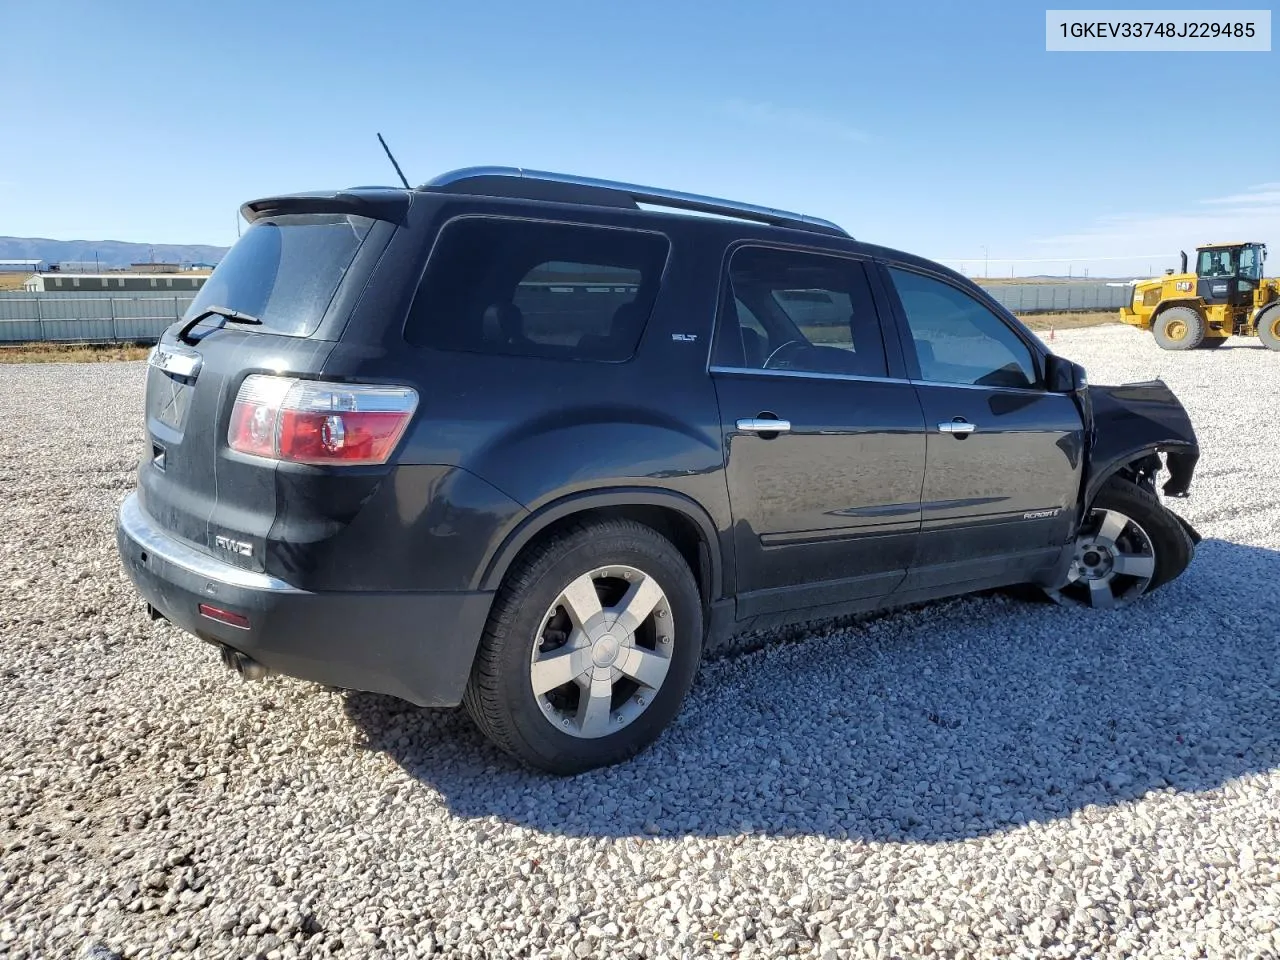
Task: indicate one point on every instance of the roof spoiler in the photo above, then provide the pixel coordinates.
(377, 203)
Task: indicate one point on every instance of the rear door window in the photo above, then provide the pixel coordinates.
(531, 288)
(285, 270)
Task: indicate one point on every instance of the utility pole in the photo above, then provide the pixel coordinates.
(985, 262)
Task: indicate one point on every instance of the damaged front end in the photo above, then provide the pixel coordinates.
(1133, 425)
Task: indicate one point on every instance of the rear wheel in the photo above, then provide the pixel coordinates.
(1269, 328)
(1179, 328)
(591, 646)
(1129, 545)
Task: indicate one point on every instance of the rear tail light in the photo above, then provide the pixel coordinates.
(310, 421)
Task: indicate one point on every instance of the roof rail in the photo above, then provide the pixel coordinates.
(609, 192)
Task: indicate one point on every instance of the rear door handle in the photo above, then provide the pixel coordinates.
(960, 428)
(759, 425)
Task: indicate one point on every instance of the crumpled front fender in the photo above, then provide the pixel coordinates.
(1136, 420)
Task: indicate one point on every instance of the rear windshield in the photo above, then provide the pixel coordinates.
(285, 270)
(536, 289)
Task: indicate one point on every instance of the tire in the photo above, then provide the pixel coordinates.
(1153, 543)
(536, 618)
(1269, 328)
(1179, 328)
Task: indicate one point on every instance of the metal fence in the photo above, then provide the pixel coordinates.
(87, 317)
(1060, 297)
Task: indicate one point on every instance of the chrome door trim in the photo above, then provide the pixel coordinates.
(757, 425)
(804, 375)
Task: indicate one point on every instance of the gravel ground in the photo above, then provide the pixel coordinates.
(983, 777)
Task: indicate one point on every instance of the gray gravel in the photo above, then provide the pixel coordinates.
(983, 777)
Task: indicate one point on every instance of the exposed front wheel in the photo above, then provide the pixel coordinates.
(1269, 328)
(1179, 328)
(1128, 546)
(591, 646)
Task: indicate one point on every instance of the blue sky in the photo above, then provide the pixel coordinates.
(941, 128)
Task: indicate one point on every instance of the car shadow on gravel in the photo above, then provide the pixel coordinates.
(945, 722)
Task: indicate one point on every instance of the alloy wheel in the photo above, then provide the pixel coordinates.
(1113, 564)
(603, 652)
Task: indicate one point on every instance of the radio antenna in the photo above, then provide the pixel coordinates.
(399, 172)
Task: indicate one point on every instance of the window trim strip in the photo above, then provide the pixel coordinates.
(859, 378)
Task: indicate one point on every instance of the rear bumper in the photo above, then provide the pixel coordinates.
(417, 646)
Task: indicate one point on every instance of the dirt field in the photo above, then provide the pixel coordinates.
(71, 353)
(1068, 321)
(12, 281)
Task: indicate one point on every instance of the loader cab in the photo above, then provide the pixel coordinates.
(1229, 273)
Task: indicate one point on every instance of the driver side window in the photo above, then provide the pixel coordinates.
(802, 313)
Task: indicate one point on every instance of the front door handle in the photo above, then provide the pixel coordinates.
(958, 427)
(764, 425)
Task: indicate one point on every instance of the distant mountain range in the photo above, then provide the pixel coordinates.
(106, 253)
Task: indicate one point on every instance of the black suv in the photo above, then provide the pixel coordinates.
(520, 441)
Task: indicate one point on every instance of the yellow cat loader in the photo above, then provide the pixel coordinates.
(1226, 296)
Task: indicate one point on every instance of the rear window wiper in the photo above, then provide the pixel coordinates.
(232, 316)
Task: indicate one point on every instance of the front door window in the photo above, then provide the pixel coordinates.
(959, 340)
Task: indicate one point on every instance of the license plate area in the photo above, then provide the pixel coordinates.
(171, 400)
(172, 383)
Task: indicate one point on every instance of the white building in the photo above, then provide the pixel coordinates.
(57, 282)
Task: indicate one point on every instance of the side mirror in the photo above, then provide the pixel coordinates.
(1063, 376)
(1080, 376)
